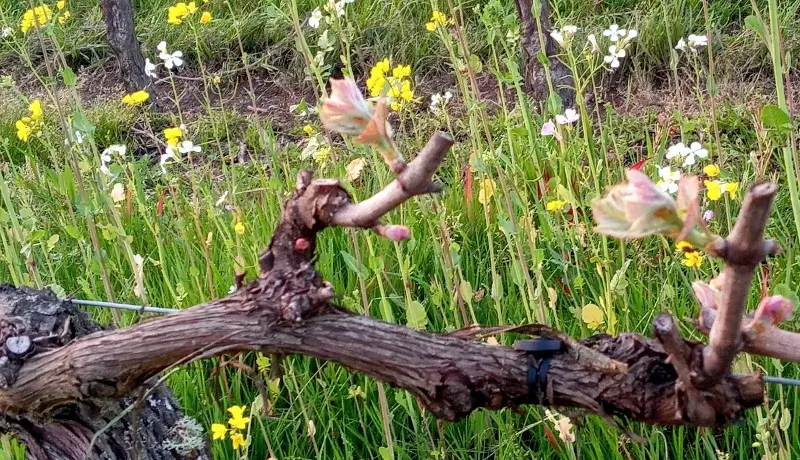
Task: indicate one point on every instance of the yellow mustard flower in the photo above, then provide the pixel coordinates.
(179, 11)
(136, 98)
(218, 431)
(731, 188)
(24, 131)
(711, 170)
(35, 17)
(555, 205)
(401, 71)
(683, 246)
(238, 440)
(485, 191)
(692, 259)
(592, 315)
(206, 17)
(173, 135)
(64, 17)
(36, 109)
(715, 189)
(239, 228)
(308, 130)
(61, 4)
(438, 19)
(238, 420)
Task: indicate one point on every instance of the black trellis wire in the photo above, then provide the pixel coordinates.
(164, 311)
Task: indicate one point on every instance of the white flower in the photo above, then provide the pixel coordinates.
(570, 116)
(438, 100)
(694, 150)
(669, 179)
(593, 41)
(150, 68)
(677, 150)
(614, 33)
(188, 147)
(681, 46)
(78, 137)
(569, 31)
(632, 33)
(7, 32)
(558, 37)
(614, 55)
(118, 193)
(316, 17)
(696, 41)
(165, 159)
(171, 60)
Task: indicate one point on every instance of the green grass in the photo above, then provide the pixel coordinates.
(509, 260)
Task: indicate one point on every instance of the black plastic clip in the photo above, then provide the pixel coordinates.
(540, 351)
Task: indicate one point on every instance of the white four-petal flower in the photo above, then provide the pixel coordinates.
(614, 33)
(174, 59)
(570, 116)
(614, 55)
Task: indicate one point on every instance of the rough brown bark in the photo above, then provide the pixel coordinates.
(118, 16)
(155, 428)
(535, 76)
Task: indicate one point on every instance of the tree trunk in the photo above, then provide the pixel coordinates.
(118, 16)
(152, 428)
(535, 73)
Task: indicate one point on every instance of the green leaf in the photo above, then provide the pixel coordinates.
(58, 291)
(775, 117)
(69, 76)
(755, 24)
(73, 232)
(786, 419)
(385, 454)
(475, 63)
(355, 265)
(52, 241)
(466, 291)
(618, 281)
(416, 317)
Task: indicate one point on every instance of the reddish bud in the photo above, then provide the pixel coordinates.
(301, 244)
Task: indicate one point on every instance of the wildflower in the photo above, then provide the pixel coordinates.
(64, 17)
(166, 158)
(119, 149)
(150, 68)
(308, 130)
(697, 41)
(177, 13)
(708, 215)
(171, 60)
(486, 190)
(692, 259)
(6, 32)
(438, 19)
(614, 55)
(715, 189)
(570, 116)
(555, 205)
(117, 193)
(173, 135)
(218, 431)
(216, 79)
(401, 71)
(206, 17)
(35, 108)
(238, 420)
(681, 45)
(593, 42)
(438, 100)
(636, 209)
(592, 315)
(237, 439)
(35, 17)
(614, 33)
(24, 131)
(711, 170)
(30, 125)
(355, 391)
(669, 179)
(694, 150)
(676, 150)
(632, 33)
(136, 98)
(239, 227)
(549, 128)
(558, 37)
(569, 31)
(189, 147)
(316, 17)
(61, 4)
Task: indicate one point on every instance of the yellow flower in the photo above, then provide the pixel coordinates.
(683, 246)
(732, 188)
(321, 155)
(711, 170)
(178, 12)
(216, 79)
(24, 131)
(218, 431)
(401, 72)
(239, 228)
(64, 17)
(555, 205)
(437, 19)
(60, 4)
(205, 18)
(692, 259)
(592, 315)
(383, 65)
(238, 441)
(191, 7)
(308, 130)
(486, 190)
(173, 135)
(136, 98)
(36, 109)
(237, 420)
(713, 190)
(35, 18)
